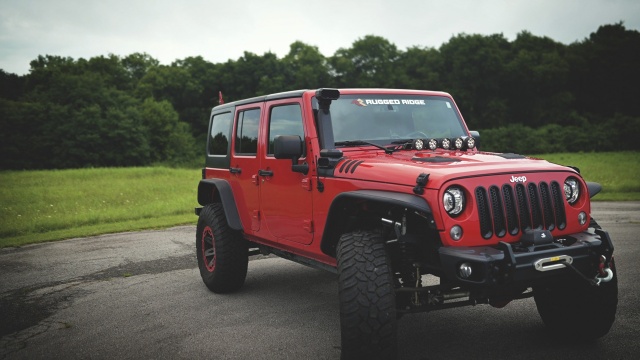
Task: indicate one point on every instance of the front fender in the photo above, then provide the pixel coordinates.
(593, 188)
(337, 218)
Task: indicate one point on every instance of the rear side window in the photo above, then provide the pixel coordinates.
(220, 134)
(285, 120)
(247, 132)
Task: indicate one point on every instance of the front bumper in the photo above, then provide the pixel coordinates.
(507, 264)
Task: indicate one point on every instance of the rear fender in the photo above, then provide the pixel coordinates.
(212, 190)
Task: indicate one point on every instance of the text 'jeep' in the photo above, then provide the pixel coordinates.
(388, 187)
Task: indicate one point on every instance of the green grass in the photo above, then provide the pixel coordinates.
(38, 206)
(617, 172)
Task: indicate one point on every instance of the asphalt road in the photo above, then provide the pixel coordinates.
(139, 295)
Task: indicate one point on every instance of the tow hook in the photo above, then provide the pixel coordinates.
(604, 273)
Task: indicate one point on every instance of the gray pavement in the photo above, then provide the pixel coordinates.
(139, 295)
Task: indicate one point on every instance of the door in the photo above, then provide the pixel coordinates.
(285, 196)
(244, 165)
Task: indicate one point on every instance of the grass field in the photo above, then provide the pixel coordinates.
(617, 172)
(37, 206)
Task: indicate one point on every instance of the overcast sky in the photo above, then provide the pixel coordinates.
(219, 30)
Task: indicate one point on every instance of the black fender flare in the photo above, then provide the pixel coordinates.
(593, 188)
(211, 190)
(335, 217)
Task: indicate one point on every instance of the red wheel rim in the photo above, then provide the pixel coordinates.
(208, 249)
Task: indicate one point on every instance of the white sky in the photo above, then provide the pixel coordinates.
(219, 30)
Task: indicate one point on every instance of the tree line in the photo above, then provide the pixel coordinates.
(528, 95)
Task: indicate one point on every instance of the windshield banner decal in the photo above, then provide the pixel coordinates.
(366, 102)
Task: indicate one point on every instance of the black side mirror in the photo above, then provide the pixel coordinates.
(290, 147)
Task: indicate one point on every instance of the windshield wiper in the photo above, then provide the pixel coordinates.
(363, 142)
(402, 141)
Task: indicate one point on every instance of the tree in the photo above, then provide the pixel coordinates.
(169, 138)
(536, 81)
(420, 68)
(473, 71)
(137, 65)
(370, 62)
(605, 71)
(306, 67)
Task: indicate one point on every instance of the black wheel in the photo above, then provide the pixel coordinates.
(221, 251)
(367, 297)
(577, 310)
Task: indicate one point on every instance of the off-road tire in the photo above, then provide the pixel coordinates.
(576, 310)
(367, 297)
(221, 251)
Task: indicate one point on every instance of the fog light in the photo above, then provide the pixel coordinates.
(456, 232)
(432, 144)
(446, 144)
(418, 144)
(465, 270)
(582, 218)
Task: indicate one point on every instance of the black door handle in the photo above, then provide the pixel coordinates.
(235, 170)
(265, 172)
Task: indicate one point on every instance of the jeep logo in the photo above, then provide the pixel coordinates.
(517, 179)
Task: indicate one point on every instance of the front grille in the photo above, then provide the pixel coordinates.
(514, 209)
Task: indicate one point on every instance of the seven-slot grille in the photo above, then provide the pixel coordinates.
(513, 209)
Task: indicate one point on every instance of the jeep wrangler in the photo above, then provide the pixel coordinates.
(388, 189)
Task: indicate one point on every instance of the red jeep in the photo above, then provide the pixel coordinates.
(386, 188)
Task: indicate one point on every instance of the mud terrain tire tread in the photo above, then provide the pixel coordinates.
(231, 251)
(367, 298)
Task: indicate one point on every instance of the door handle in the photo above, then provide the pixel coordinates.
(235, 170)
(265, 173)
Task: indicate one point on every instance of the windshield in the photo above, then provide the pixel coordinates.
(384, 118)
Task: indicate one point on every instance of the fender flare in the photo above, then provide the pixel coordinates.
(211, 189)
(335, 216)
(593, 188)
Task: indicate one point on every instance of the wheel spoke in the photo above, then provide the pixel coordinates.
(210, 252)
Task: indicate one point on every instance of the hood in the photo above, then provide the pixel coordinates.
(403, 167)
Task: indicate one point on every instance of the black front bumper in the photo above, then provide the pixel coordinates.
(506, 264)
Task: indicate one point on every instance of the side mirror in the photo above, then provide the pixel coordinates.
(290, 147)
(476, 137)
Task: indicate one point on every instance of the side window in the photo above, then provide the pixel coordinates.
(247, 132)
(220, 134)
(285, 120)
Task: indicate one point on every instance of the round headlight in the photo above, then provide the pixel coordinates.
(432, 144)
(571, 190)
(446, 144)
(453, 200)
(459, 143)
(418, 144)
